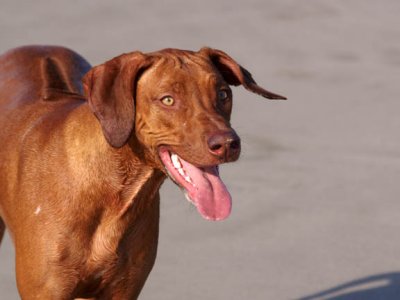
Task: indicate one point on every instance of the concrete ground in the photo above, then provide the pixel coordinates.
(316, 192)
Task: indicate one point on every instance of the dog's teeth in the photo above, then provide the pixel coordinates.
(180, 171)
(188, 179)
(178, 166)
(175, 161)
(188, 198)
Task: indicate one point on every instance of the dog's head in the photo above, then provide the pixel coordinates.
(177, 104)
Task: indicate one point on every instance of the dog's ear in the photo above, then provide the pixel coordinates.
(110, 90)
(234, 74)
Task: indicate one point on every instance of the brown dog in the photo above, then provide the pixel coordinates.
(80, 176)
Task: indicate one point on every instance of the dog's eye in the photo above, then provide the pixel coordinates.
(168, 100)
(223, 95)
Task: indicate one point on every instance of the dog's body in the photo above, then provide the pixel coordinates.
(79, 176)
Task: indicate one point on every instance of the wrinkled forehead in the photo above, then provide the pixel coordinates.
(178, 66)
(181, 58)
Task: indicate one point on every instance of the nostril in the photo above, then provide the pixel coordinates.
(224, 143)
(215, 147)
(216, 144)
(235, 144)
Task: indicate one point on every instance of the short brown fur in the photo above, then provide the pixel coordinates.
(80, 175)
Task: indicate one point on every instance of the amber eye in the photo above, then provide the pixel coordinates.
(222, 95)
(168, 100)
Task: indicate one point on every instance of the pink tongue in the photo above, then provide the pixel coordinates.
(209, 193)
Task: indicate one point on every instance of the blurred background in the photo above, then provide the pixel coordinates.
(316, 211)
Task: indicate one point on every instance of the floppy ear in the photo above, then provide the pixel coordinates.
(234, 74)
(110, 89)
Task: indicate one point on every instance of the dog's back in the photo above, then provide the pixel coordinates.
(31, 79)
(60, 71)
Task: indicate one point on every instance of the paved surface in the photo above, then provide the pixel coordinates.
(316, 192)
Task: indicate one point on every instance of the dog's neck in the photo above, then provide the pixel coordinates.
(126, 176)
(139, 184)
(128, 183)
(123, 196)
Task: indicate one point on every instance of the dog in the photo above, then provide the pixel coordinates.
(85, 150)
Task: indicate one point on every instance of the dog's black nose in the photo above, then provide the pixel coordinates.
(225, 145)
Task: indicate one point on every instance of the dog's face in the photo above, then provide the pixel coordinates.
(177, 104)
(182, 103)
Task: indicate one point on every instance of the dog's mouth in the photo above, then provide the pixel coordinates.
(202, 185)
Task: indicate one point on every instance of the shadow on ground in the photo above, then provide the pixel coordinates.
(377, 287)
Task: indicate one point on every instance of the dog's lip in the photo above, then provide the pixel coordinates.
(183, 156)
(165, 148)
(169, 165)
(170, 151)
